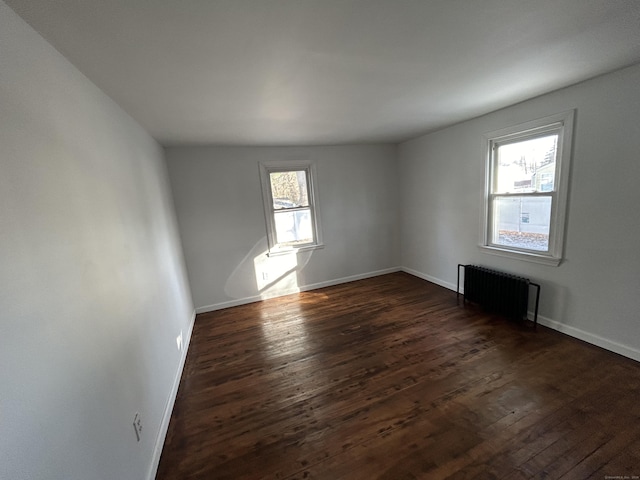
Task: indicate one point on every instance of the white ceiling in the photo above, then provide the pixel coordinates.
(309, 72)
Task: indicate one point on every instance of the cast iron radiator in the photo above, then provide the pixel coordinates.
(499, 292)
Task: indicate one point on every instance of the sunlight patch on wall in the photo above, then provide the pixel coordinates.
(276, 274)
(266, 276)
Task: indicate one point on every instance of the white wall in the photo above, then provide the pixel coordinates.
(92, 285)
(593, 294)
(219, 205)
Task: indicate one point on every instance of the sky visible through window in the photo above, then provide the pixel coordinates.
(520, 163)
(524, 167)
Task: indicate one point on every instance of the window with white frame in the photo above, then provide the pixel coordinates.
(290, 206)
(527, 179)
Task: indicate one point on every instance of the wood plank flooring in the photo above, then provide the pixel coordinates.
(389, 378)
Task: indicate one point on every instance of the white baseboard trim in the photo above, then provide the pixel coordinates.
(305, 288)
(168, 409)
(429, 278)
(592, 338)
(229, 304)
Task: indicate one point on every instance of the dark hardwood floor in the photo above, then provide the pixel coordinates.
(388, 378)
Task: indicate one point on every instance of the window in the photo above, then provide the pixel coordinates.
(527, 176)
(290, 206)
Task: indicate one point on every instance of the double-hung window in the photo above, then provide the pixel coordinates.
(527, 175)
(290, 206)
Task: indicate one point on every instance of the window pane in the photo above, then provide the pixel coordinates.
(289, 189)
(526, 166)
(293, 228)
(522, 222)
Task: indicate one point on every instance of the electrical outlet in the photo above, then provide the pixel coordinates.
(137, 426)
(179, 341)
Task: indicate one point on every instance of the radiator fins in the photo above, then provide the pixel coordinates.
(498, 292)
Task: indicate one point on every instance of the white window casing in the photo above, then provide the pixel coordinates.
(282, 240)
(535, 189)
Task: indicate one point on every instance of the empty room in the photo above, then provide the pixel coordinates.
(319, 239)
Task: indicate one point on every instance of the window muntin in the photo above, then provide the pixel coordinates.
(290, 207)
(526, 189)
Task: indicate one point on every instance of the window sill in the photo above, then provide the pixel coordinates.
(275, 252)
(526, 256)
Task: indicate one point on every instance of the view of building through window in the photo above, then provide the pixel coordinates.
(523, 172)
